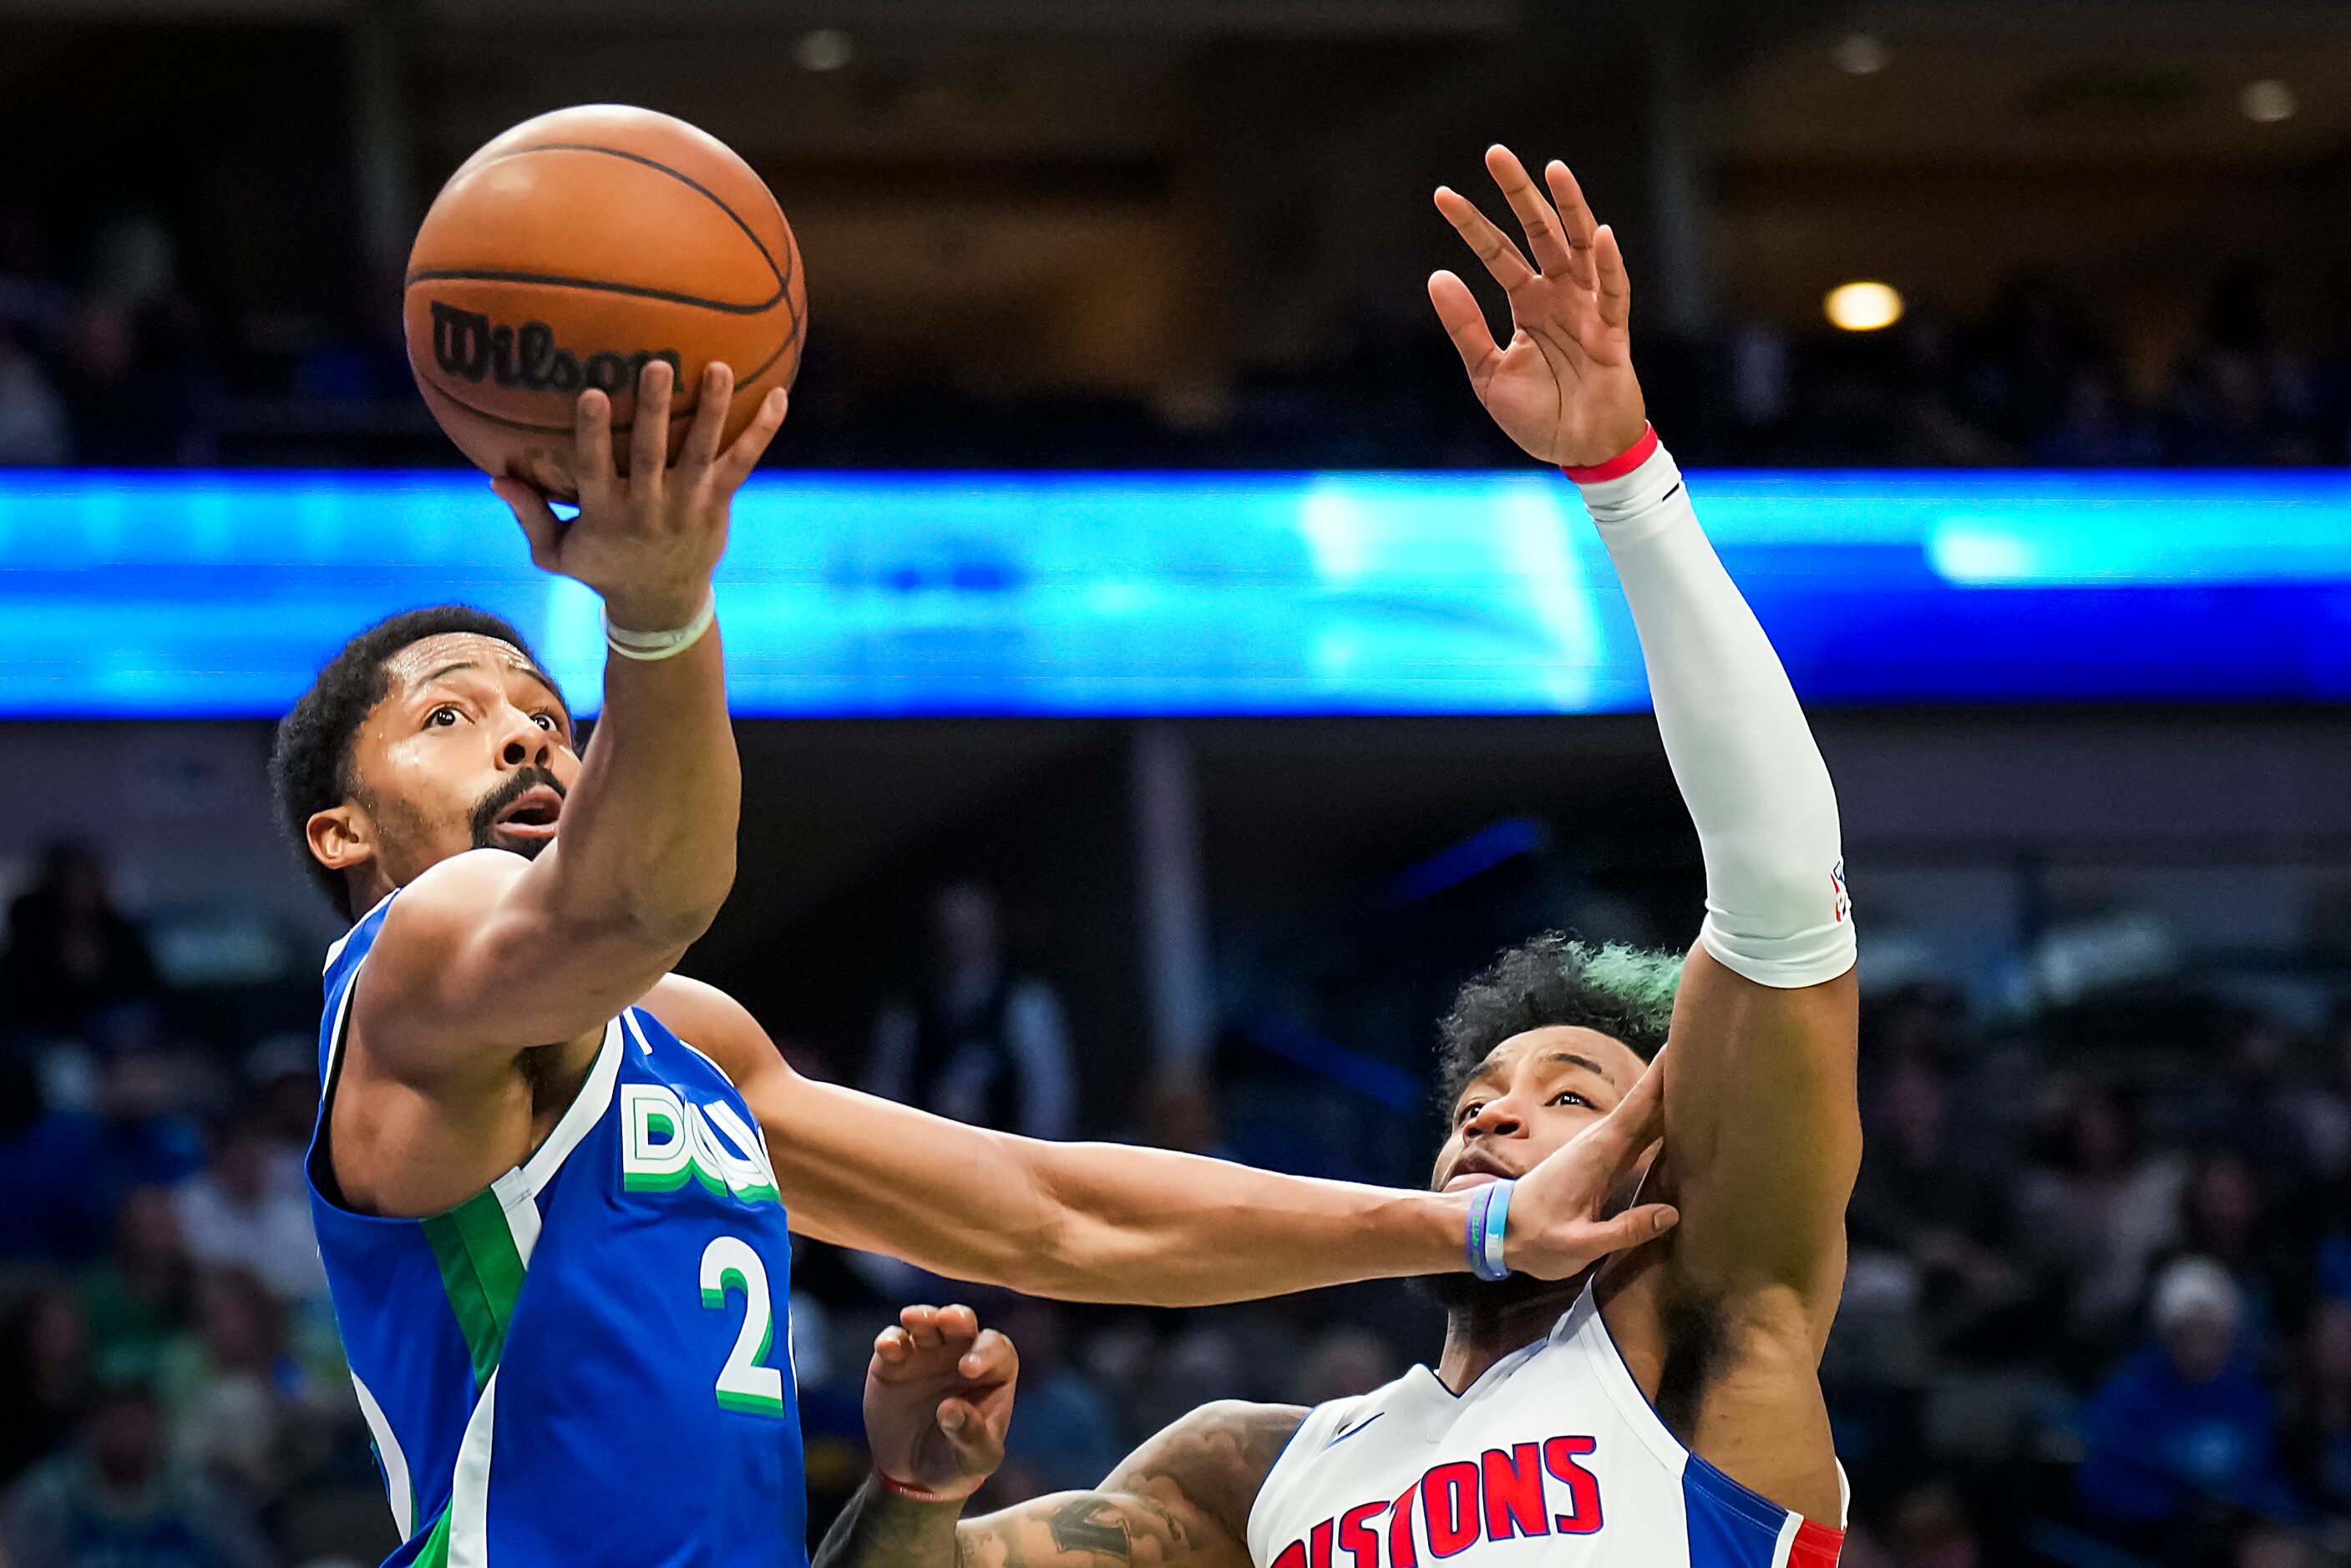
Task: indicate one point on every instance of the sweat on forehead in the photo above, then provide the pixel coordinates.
(429, 657)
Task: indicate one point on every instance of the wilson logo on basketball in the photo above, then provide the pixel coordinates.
(468, 344)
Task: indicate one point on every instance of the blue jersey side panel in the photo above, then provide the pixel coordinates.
(643, 1414)
(1729, 1526)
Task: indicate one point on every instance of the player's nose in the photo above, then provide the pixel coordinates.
(1496, 1118)
(527, 745)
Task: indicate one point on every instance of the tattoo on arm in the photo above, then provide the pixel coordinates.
(1182, 1500)
(1089, 1523)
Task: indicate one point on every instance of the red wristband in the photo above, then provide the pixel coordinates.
(910, 1492)
(1623, 463)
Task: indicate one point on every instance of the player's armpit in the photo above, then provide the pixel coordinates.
(1762, 1136)
(477, 963)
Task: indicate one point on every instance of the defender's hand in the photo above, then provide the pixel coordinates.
(1555, 1228)
(938, 1397)
(1564, 389)
(647, 542)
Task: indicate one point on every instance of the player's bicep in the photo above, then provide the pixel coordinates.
(1183, 1498)
(474, 960)
(1762, 1131)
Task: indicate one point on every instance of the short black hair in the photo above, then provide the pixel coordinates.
(310, 764)
(1623, 993)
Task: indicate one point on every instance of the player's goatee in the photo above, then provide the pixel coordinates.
(485, 820)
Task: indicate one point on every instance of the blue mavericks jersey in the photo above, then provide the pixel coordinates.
(587, 1362)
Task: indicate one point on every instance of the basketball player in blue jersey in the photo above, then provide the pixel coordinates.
(1665, 1410)
(550, 1178)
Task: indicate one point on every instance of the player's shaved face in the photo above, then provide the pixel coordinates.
(470, 747)
(1532, 1095)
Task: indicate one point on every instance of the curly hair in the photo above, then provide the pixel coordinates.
(1623, 993)
(310, 763)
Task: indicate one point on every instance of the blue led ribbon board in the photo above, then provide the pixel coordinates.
(156, 595)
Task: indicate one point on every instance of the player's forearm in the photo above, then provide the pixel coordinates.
(649, 830)
(1081, 1221)
(880, 1529)
(1177, 1229)
(1756, 787)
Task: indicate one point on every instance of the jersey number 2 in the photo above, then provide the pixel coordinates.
(745, 1383)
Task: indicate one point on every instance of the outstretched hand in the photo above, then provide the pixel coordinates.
(1564, 389)
(938, 1399)
(647, 542)
(1557, 1226)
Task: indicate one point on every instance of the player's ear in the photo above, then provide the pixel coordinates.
(340, 836)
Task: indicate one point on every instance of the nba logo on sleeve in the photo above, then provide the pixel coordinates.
(1841, 899)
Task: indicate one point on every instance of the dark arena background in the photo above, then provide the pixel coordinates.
(1139, 623)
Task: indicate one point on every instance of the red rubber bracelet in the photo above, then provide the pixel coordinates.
(910, 1492)
(1623, 463)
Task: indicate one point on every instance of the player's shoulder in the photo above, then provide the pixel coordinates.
(450, 894)
(716, 1024)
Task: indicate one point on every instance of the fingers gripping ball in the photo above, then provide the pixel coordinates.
(573, 250)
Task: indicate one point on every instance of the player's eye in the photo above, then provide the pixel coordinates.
(1468, 1111)
(547, 723)
(441, 718)
(1569, 1098)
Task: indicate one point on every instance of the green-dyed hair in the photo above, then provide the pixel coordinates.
(1623, 993)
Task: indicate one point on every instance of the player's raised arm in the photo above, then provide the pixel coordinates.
(1762, 1134)
(488, 953)
(939, 1398)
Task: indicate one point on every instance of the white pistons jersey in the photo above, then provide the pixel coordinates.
(1552, 1457)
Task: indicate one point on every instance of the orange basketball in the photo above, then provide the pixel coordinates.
(573, 250)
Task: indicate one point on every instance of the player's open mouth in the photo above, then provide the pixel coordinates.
(1475, 1170)
(532, 816)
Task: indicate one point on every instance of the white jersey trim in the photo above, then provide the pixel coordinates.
(396, 1485)
(335, 949)
(469, 1488)
(1615, 1379)
(587, 1108)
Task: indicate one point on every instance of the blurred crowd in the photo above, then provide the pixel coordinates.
(2099, 1311)
(111, 356)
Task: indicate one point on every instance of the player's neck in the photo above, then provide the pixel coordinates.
(1477, 1337)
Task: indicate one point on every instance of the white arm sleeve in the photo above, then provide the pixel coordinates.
(1776, 909)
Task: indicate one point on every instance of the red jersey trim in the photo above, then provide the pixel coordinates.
(1623, 463)
(1815, 1546)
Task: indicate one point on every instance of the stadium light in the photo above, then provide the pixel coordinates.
(824, 49)
(1863, 306)
(1862, 55)
(2268, 102)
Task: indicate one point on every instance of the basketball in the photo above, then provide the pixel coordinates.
(573, 250)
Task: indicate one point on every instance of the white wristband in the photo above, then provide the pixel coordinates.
(649, 645)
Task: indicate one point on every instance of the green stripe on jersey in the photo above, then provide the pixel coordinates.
(482, 1274)
(435, 1553)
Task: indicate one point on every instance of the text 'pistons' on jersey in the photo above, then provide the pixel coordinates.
(1553, 1456)
(589, 1360)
